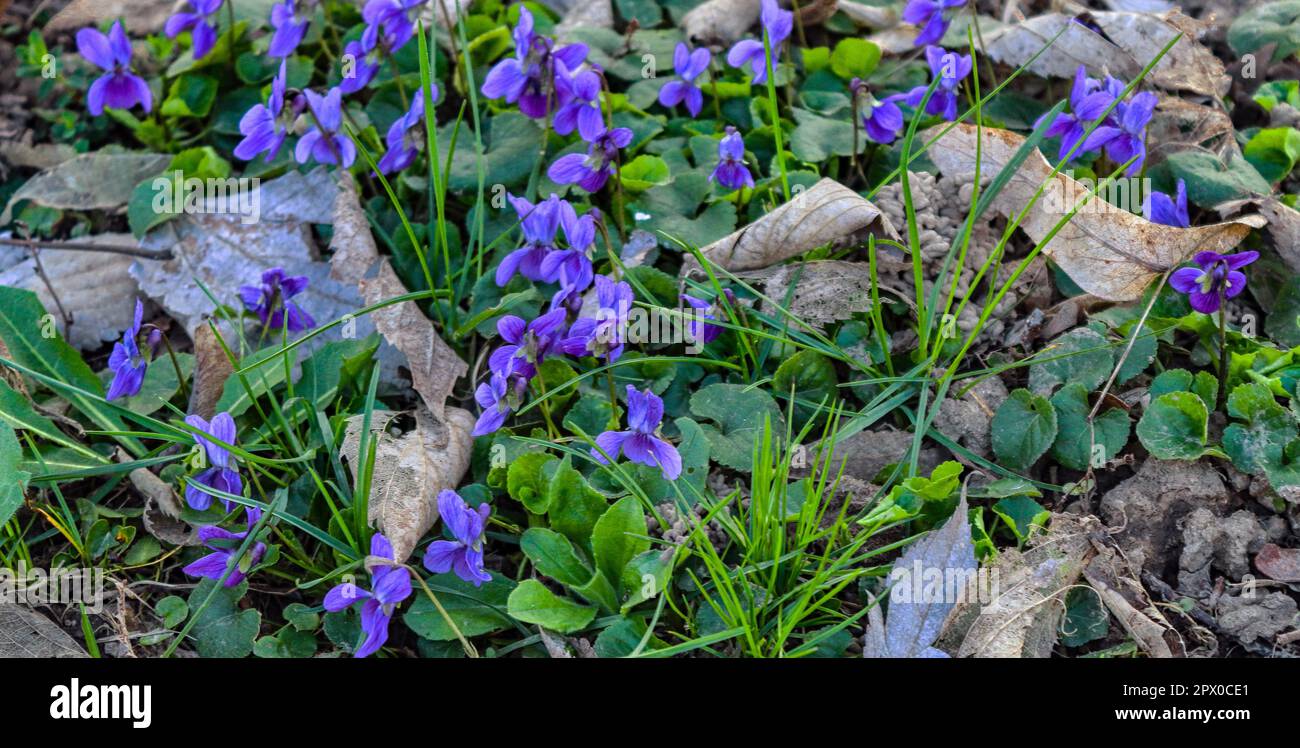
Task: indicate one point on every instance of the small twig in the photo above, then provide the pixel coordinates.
(121, 249)
(40, 270)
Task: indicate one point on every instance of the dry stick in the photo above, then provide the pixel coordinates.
(40, 270)
(121, 249)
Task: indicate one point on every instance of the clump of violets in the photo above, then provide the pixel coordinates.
(1215, 278)
(1170, 211)
(639, 443)
(224, 545)
(528, 78)
(930, 16)
(601, 333)
(324, 143)
(951, 69)
(591, 171)
(731, 171)
(390, 584)
(688, 64)
(270, 301)
(290, 20)
(221, 474)
(464, 555)
(527, 343)
(1124, 137)
(118, 87)
(777, 24)
(128, 360)
(406, 137)
(571, 268)
(701, 331)
(580, 92)
(203, 30)
(1088, 102)
(1122, 133)
(881, 118)
(266, 126)
(539, 223)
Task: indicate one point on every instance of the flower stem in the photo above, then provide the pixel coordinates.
(1223, 349)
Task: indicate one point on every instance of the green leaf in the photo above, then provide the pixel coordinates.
(15, 481)
(511, 144)
(643, 172)
(532, 602)
(329, 366)
(1257, 444)
(1272, 93)
(16, 410)
(1086, 619)
(674, 209)
(1274, 151)
(554, 556)
(475, 610)
(1283, 321)
(265, 370)
(1023, 428)
(1170, 380)
(646, 576)
(1174, 427)
(573, 505)
(619, 535)
(739, 414)
(1073, 446)
(1272, 23)
(817, 138)
(1139, 356)
(190, 95)
(591, 414)
(622, 639)
(1022, 514)
(1081, 355)
(173, 610)
(1210, 181)
(854, 58)
(810, 377)
(526, 480)
(223, 629)
(287, 643)
(301, 617)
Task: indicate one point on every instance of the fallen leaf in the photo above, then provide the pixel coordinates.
(91, 181)
(1115, 580)
(871, 16)
(410, 470)
(826, 213)
(586, 13)
(27, 634)
(434, 366)
(1107, 251)
(211, 370)
(1131, 41)
(720, 21)
(824, 292)
(95, 288)
(138, 16)
(1282, 564)
(913, 625)
(23, 153)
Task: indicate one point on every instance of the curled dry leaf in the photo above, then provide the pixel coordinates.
(91, 181)
(410, 470)
(824, 291)
(720, 21)
(1131, 41)
(826, 213)
(85, 284)
(211, 370)
(139, 16)
(1107, 251)
(1283, 225)
(1116, 583)
(434, 366)
(1282, 564)
(585, 14)
(22, 152)
(27, 634)
(871, 16)
(1023, 616)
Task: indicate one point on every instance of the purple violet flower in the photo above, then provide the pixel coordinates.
(527, 343)
(777, 23)
(118, 87)
(580, 93)
(1217, 274)
(1089, 100)
(640, 445)
(950, 68)
(203, 30)
(500, 396)
(224, 544)
(396, 17)
(529, 77)
(590, 172)
(881, 118)
(571, 267)
(366, 60)
(406, 136)
(929, 16)
(127, 361)
(464, 555)
(601, 335)
(329, 146)
(270, 300)
(539, 224)
(704, 332)
(390, 584)
(731, 171)
(1160, 208)
(265, 126)
(688, 65)
(290, 20)
(1126, 138)
(221, 474)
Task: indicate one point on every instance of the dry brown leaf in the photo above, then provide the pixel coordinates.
(585, 14)
(95, 288)
(91, 181)
(824, 292)
(1107, 251)
(22, 152)
(826, 213)
(1115, 579)
(434, 366)
(410, 470)
(1023, 617)
(138, 16)
(720, 21)
(1178, 124)
(1282, 564)
(871, 16)
(27, 634)
(1136, 38)
(211, 370)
